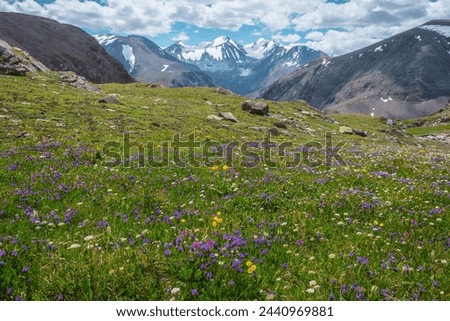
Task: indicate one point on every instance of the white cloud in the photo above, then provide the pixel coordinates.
(289, 38)
(182, 36)
(354, 23)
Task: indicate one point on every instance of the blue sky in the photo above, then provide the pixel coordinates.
(335, 27)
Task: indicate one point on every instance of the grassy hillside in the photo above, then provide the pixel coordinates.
(74, 227)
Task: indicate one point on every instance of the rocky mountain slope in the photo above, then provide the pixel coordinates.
(404, 76)
(61, 47)
(147, 62)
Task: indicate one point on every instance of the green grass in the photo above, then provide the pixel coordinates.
(445, 128)
(375, 228)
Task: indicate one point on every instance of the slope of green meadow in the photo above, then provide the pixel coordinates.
(75, 227)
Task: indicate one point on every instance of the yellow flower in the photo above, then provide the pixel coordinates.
(249, 263)
(225, 168)
(381, 224)
(219, 213)
(251, 269)
(183, 220)
(214, 223)
(215, 168)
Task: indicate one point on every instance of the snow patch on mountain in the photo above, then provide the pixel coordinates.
(127, 52)
(442, 30)
(260, 48)
(105, 40)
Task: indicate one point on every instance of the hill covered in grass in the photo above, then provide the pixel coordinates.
(370, 222)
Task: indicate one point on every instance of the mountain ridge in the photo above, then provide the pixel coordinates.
(403, 76)
(61, 47)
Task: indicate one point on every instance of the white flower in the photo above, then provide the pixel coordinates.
(175, 291)
(74, 246)
(312, 283)
(89, 237)
(310, 291)
(270, 296)
(332, 256)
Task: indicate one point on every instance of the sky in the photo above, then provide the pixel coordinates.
(335, 27)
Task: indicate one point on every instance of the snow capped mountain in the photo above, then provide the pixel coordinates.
(243, 69)
(147, 62)
(220, 49)
(261, 48)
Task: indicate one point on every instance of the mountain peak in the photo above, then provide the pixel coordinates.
(219, 41)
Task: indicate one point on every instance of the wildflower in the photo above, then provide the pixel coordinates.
(312, 283)
(26, 269)
(215, 168)
(249, 263)
(231, 283)
(362, 260)
(194, 292)
(251, 269)
(331, 297)
(74, 246)
(59, 297)
(89, 237)
(332, 256)
(225, 168)
(310, 290)
(175, 291)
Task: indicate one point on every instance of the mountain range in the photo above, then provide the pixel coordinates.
(404, 76)
(245, 70)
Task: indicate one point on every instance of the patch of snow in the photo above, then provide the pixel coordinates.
(290, 64)
(386, 100)
(245, 72)
(127, 53)
(419, 38)
(360, 55)
(105, 40)
(165, 68)
(378, 49)
(260, 48)
(442, 30)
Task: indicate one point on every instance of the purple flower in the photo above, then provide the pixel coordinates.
(2, 263)
(13, 167)
(124, 218)
(331, 297)
(19, 298)
(299, 242)
(344, 289)
(9, 291)
(415, 296)
(26, 269)
(436, 284)
(167, 252)
(59, 297)
(14, 253)
(284, 266)
(231, 283)
(362, 260)
(194, 292)
(2, 253)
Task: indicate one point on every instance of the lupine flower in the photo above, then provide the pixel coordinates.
(194, 292)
